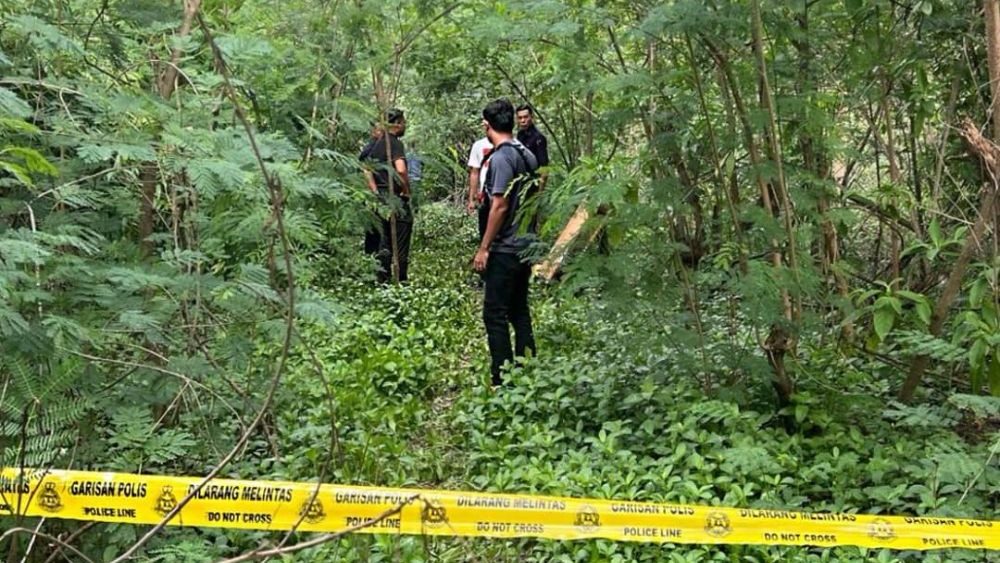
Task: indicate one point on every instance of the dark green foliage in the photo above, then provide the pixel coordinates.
(40, 412)
(599, 413)
(658, 346)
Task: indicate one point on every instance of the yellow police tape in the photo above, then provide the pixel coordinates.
(277, 505)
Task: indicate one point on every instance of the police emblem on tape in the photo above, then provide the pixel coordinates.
(882, 530)
(717, 524)
(587, 519)
(166, 501)
(433, 514)
(49, 498)
(312, 511)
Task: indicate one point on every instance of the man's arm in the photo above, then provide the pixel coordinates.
(404, 178)
(498, 211)
(475, 164)
(370, 178)
(366, 169)
(501, 174)
(473, 188)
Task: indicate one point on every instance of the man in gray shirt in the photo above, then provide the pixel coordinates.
(500, 254)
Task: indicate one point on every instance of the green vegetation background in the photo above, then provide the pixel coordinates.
(147, 283)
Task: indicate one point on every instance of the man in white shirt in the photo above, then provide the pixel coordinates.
(478, 164)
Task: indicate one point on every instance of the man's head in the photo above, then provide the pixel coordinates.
(499, 117)
(395, 121)
(525, 116)
(376, 129)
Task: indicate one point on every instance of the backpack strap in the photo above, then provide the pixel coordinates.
(520, 152)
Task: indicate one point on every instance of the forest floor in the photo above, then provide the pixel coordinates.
(597, 414)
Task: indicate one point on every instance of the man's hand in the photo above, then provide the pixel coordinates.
(370, 179)
(470, 206)
(479, 261)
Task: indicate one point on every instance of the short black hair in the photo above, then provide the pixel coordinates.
(526, 107)
(393, 115)
(500, 115)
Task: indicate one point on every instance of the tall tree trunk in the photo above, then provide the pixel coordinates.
(588, 144)
(885, 145)
(949, 113)
(776, 344)
(774, 145)
(649, 124)
(691, 236)
(731, 196)
(779, 342)
(148, 179)
(817, 162)
(732, 188)
(992, 12)
(990, 154)
(888, 147)
(166, 83)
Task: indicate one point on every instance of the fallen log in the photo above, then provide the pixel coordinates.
(548, 268)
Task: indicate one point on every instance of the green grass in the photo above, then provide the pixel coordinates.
(590, 416)
(393, 392)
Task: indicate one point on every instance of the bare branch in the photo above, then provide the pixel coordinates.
(68, 541)
(409, 39)
(44, 536)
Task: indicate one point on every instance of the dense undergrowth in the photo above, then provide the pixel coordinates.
(394, 394)
(779, 192)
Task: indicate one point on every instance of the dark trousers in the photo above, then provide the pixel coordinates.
(505, 304)
(404, 232)
(484, 217)
(373, 239)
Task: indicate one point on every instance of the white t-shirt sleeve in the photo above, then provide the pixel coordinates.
(475, 156)
(479, 150)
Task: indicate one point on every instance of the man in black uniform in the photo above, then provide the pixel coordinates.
(535, 141)
(532, 138)
(500, 254)
(387, 159)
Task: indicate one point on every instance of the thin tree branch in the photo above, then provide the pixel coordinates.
(41, 83)
(136, 365)
(76, 533)
(411, 37)
(51, 538)
(34, 537)
(618, 50)
(90, 30)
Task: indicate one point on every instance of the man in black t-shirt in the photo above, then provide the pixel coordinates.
(500, 254)
(532, 138)
(535, 141)
(387, 176)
